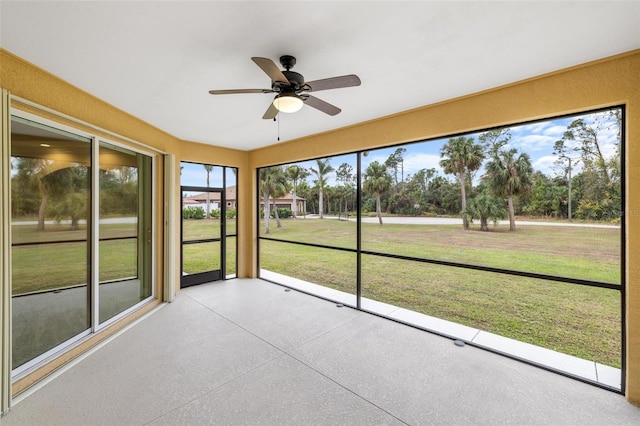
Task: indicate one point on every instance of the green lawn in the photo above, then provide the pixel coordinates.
(577, 320)
(573, 319)
(61, 263)
(203, 257)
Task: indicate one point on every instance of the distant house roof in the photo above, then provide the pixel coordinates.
(189, 201)
(230, 195)
(213, 196)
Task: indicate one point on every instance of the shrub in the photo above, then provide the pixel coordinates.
(193, 213)
(283, 213)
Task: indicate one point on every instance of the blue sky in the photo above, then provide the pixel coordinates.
(192, 174)
(536, 139)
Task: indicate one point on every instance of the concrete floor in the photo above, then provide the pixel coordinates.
(249, 352)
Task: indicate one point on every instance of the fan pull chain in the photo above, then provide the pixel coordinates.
(274, 119)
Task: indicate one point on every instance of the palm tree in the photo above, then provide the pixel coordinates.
(39, 171)
(485, 207)
(377, 181)
(460, 157)
(508, 175)
(74, 205)
(321, 172)
(278, 190)
(272, 182)
(208, 168)
(296, 174)
(346, 191)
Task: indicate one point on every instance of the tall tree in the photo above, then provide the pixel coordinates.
(296, 174)
(423, 178)
(272, 181)
(209, 169)
(36, 171)
(586, 136)
(567, 154)
(493, 141)
(321, 172)
(546, 197)
(25, 196)
(594, 140)
(68, 189)
(509, 175)
(307, 193)
(377, 181)
(394, 163)
(279, 190)
(345, 175)
(461, 156)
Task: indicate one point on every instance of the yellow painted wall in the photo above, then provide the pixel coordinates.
(35, 85)
(608, 82)
(27, 81)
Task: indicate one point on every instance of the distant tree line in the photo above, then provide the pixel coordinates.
(51, 190)
(508, 187)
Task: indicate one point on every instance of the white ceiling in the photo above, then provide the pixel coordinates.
(158, 59)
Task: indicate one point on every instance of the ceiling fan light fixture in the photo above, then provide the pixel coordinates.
(288, 102)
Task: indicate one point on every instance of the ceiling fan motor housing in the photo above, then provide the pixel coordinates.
(287, 61)
(296, 81)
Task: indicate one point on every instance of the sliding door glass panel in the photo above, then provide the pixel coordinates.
(124, 230)
(50, 201)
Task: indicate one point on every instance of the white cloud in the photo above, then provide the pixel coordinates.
(538, 127)
(547, 165)
(533, 142)
(555, 131)
(415, 162)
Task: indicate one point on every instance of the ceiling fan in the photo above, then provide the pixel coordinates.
(290, 88)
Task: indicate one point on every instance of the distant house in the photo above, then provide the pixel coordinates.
(286, 202)
(200, 200)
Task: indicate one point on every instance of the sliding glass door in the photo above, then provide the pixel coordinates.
(124, 230)
(50, 209)
(81, 227)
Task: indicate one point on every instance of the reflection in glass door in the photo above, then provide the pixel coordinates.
(81, 227)
(203, 248)
(124, 230)
(50, 218)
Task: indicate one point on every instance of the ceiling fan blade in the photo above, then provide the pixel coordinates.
(271, 112)
(270, 68)
(321, 105)
(236, 91)
(334, 83)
